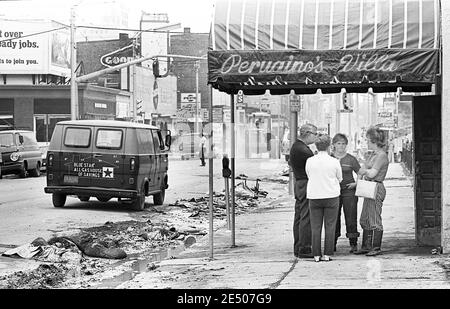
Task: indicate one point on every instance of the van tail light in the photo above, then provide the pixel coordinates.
(132, 164)
(50, 160)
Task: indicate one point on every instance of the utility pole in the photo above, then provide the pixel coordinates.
(73, 65)
(196, 67)
(133, 83)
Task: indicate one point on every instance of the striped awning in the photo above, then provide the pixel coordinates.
(304, 45)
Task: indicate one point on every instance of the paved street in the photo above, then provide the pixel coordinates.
(27, 212)
(263, 256)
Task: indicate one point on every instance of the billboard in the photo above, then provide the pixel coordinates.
(34, 47)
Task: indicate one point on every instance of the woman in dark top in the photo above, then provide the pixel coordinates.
(347, 200)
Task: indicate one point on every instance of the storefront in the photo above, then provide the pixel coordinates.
(39, 108)
(301, 46)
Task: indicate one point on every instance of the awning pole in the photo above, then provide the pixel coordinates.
(293, 135)
(211, 181)
(233, 174)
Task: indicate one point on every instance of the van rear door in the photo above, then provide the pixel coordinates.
(161, 158)
(76, 164)
(108, 157)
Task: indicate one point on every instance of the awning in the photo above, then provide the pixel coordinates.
(304, 45)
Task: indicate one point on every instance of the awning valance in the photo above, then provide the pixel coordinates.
(303, 45)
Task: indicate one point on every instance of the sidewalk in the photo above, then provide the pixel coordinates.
(263, 257)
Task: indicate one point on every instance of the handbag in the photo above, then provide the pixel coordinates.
(366, 189)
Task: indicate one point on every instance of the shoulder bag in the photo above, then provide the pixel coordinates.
(366, 189)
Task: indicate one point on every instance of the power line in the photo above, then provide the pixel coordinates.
(137, 30)
(33, 34)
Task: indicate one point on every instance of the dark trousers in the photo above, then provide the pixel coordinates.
(302, 225)
(202, 156)
(350, 205)
(323, 211)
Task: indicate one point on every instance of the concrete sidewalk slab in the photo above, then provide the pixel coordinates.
(263, 257)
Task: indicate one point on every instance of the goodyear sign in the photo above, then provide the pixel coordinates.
(117, 57)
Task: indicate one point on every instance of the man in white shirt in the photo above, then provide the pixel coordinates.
(323, 190)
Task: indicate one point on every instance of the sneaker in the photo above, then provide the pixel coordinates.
(325, 258)
(317, 258)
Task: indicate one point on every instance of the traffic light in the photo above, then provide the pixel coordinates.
(345, 101)
(156, 68)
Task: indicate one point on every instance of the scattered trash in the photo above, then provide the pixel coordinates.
(144, 236)
(46, 276)
(116, 240)
(152, 266)
(189, 241)
(437, 250)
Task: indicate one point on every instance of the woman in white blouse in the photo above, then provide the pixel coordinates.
(323, 190)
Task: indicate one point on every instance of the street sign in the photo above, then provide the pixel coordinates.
(217, 114)
(226, 116)
(190, 98)
(183, 115)
(240, 99)
(295, 103)
(203, 114)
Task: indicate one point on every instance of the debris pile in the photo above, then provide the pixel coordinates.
(90, 254)
(245, 199)
(46, 276)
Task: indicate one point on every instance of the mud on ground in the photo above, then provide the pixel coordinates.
(166, 227)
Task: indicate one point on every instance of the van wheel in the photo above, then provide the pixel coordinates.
(139, 203)
(158, 199)
(103, 199)
(36, 172)
(58, 199)
(84, 198)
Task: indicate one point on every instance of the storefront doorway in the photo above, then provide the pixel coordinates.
(427, 169)
(44, 125)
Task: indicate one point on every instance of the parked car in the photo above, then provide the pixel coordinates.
(20, 153)
(43, 147)
(107, 159)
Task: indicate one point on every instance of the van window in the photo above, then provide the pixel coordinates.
(109, 139)
(145, 139)
(6, 140)
(78, 137)
(156, 141)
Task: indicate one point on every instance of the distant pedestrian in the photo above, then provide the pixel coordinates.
(323, 190)
(298, 155)
(202, 147)
(375, 169)
(347, 199)
(391, 150)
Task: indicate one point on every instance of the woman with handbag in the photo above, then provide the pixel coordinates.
(323, 189)
(374, 170)
(347, 199)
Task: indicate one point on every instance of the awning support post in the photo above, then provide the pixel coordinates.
(233, 175)
(211, 182)
(293, 137)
